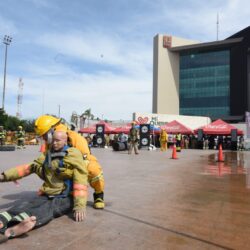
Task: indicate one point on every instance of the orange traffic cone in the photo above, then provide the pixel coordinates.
(174, 154)
(220, 154)
(43, 148)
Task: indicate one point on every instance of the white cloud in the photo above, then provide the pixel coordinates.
(113, 94)
(116, 61)
(196, 20)
(105, 93)
(7, 27)
(99, 48)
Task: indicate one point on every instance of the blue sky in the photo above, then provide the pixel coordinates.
(97, 54)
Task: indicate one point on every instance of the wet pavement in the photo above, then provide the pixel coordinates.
(152, 202)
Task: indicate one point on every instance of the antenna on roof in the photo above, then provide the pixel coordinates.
(217, 27)
(19, 98)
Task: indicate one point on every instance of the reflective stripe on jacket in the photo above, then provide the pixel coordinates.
(74, 168)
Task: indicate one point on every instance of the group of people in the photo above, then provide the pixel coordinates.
(131, 140)
(213, 142)
(19, 136)
(67, 168)
(164, 138)
(109, 139)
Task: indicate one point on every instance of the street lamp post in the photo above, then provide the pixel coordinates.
(6, 41)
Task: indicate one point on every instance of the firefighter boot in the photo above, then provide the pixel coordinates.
(99, 201)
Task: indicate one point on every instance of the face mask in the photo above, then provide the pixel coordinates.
(49, 136)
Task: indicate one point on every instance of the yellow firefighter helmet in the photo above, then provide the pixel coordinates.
(44, 123)
(20, 127)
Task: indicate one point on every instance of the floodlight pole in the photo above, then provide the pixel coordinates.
(6, 41)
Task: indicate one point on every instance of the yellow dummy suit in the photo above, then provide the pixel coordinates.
(163, 140)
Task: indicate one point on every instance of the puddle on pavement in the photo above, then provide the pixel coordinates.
(233, 164)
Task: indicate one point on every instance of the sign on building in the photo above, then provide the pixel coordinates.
(167, 41)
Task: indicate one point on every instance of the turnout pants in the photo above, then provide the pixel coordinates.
(2, 141)
(43, 208)
(163, 145)
(20, 142)
(133, 145)
(95, 176)
(178, 146)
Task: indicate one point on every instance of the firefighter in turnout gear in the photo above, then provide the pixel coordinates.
(65, 180)
(20, 134)
(2, 135)
(45, 126)
(163, 140)
(133, 139)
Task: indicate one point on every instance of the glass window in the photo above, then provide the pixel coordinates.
(204, 83)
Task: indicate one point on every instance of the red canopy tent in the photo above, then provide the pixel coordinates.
(218, 127)
(175, 127)
(92, 129)
(88, 130)
(108, 128)
(124, 129)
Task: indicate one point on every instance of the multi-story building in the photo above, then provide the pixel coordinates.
(202, 79)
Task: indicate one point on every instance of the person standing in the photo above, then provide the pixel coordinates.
(186, 142)
(111, 139)
(2, 135)
(241, 143)
(163, 140)
(106, 137)
(178, 142)
(133, 139)
(20, 136)
(220, 141)
(122, 137)
(205, 141)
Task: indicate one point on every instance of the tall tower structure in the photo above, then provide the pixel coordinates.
(19, 98)
(217, 27)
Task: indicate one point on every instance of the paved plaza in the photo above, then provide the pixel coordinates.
(152, 202)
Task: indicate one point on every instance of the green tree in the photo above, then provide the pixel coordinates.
(28, 125)
(12, 122)
(87, 115)
(3, 118)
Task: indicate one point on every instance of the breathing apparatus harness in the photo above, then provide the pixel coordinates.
(50, 156)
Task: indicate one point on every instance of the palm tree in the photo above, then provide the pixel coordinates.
(74, 118)
(87, 115)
